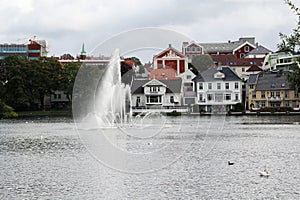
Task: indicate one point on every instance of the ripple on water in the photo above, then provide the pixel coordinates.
(57, 166)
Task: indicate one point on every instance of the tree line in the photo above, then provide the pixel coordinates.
(24, 83)
(291, 43)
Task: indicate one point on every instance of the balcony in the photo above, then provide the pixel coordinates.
(149, 92)
(275, 99)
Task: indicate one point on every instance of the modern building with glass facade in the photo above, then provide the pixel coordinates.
(33, 50)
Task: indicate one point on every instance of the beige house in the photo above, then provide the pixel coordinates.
(271, 89)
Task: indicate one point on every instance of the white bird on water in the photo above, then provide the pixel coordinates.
(264, 173)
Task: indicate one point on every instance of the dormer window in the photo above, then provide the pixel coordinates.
(273, 85)
(154, 89)
(219, 75)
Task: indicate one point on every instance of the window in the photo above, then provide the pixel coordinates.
(243, 69)
(246, 48)
(154, 89)
(219, 86)
(236, 85)
(138, 101)
(188, 76)
(227, 97)
(188, 84)
(296, 94)
(263, 94)
(201, 98)
(210, 97)
(263, 104)
(188, 49)
(242, 55)
(254, 95)
(257, 104)
(277, 94)
(153, 99)
(287, 94)
(272, 94)
(294, 104)
(251, 86)
(198, 48)
(236, 97)
(227, 86)
(287, 104)
(59, 96)
(193, 49)
(200, 86)
(209, 86)
(171, 99)
(55, 96)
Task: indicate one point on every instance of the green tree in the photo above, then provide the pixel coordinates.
(27, 81)
(67, 56)
(291, 43)
(12, 81)
(136, 60)
(46, 79)
(6, 111)
(69, 72)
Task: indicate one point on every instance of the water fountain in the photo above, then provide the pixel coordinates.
(112, 98)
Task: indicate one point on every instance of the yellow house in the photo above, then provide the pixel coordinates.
(271, 89)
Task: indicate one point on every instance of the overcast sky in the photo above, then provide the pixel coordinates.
(66, 24)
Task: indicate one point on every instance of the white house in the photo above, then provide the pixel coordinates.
(218, 88)
(188, 86)
(156, 94)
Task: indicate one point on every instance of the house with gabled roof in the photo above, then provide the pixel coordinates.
(218, 88)
(271, 89)
(156, 94)
(238, 48)
(259, 52)
(241, 66)
(192, 49)
(171, 58)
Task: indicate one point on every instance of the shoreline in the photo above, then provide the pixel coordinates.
(37, 114)
(68, 114)
(247, 113)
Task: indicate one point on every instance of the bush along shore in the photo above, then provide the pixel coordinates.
(7, 112)
(48, 113)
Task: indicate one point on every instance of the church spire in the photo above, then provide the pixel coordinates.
(83, 52)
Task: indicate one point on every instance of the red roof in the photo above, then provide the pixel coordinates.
(232, 60)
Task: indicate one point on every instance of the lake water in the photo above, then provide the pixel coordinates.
(46, 159)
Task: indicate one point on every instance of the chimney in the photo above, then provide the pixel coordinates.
(170, 45)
